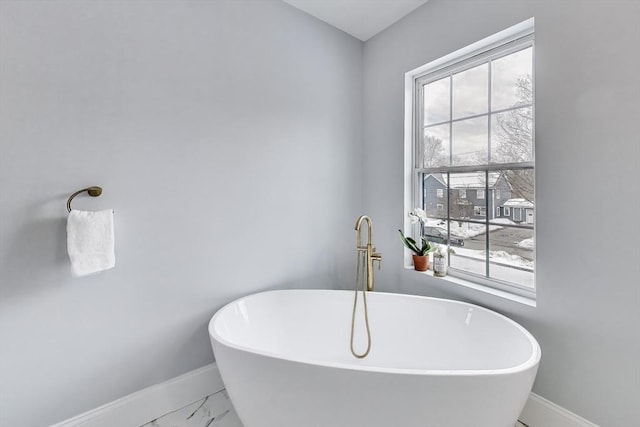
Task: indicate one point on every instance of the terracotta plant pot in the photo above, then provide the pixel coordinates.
(421, 263)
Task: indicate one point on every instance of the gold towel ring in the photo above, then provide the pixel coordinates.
(93, 192)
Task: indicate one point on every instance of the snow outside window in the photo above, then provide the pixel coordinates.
(474, 129)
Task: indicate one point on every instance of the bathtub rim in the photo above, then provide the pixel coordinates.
(531, 363)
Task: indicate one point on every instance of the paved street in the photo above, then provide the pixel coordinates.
(505, 239)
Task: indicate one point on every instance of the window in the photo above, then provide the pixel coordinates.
(440, 209)
(440, 193)
(472, 121)
(480, 210)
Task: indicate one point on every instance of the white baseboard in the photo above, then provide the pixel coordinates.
(146, 405)
(539, 412)
(150, 403)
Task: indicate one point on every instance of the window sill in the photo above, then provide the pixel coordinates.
(476, 286)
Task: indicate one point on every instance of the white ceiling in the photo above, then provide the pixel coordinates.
(362, 19)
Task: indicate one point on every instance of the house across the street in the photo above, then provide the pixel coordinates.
(470, 197)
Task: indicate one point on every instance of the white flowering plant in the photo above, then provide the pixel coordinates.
(417, 215)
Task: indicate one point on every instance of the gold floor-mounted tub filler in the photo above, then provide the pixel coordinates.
(366, 256)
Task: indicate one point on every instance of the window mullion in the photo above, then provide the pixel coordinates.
(489, 115)
(476, 168)
(448, 219)
(450, 120)
(486, 220)
(486, 173)
(419, 137)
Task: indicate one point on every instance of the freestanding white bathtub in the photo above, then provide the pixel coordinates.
(285, 360)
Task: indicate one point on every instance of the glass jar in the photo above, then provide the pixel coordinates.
(439, 263)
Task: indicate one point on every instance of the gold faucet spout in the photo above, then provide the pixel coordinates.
(359, 232)
(369, 248)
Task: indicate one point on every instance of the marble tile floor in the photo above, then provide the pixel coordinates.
(212, 411)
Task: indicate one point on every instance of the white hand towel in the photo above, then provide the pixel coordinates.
(90, 241)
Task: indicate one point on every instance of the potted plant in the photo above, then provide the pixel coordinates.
(420, 253)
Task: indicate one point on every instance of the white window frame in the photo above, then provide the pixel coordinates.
(497, 193)
(440, 193)
(507, 211)
(523, 30)
(480, 194)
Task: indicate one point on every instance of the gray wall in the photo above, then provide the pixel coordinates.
(227, 136)
(587, 148)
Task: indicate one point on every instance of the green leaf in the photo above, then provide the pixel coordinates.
(409, 242)
(426, 246)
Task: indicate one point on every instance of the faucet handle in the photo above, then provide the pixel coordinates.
(376, 256)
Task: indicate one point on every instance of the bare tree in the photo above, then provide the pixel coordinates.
(435, 153)
(513, 140)
(460, 207)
